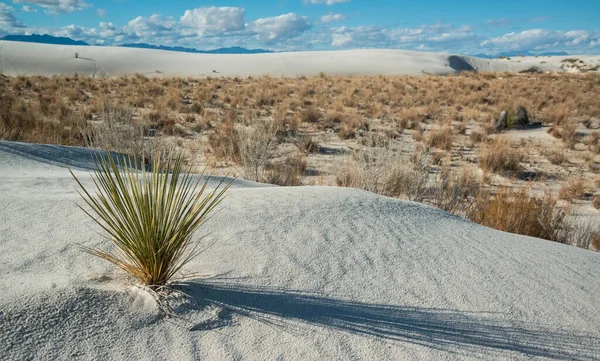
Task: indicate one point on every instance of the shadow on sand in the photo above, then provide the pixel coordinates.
(449, 330)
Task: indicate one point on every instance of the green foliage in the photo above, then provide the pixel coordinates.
(149, 215)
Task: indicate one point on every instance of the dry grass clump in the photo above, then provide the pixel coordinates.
(499, 156)
(149, 216)
(573, 189)
(287, 171)
(556, 156)
(519, 212)
(596, 202)
(441, 138)
(115, 130)
(569, 134)
(388, 172)
(594, 142)
(456, 192)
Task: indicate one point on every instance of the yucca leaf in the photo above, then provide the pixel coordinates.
(148, 215)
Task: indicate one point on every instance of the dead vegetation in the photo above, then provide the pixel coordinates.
(427, 138)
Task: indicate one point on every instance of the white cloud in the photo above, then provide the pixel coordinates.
(437, 36)
(101, 12)
(209, 26)
(541, 39)
(326, 2)
(56, 6)
(274, 29)
(330, 18)
(213, 20)
(8, 21)
(29, 9)
(361, 36)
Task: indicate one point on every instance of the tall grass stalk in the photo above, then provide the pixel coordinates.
(148, 215)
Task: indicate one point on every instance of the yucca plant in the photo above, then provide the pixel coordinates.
(149, 214)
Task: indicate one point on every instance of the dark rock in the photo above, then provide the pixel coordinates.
(521, 118)
(532, 70)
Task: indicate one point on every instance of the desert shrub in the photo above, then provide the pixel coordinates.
(311, 115)
(498, 156)
(519, 212)
(117, 131)
(557, 156)
(441, 138)
(477, 136)
(569, 134)
(256, 145)
(149, 216)
(287, 171)
(388, 172)
(305, 143)
(223, 143)
(573, 189)
(456, 192)
(594, 143)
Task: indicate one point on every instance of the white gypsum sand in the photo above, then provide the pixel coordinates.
(305, 273)
(17, 58)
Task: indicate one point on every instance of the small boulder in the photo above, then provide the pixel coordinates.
(521, 118)
(502, 121)
(532, 70)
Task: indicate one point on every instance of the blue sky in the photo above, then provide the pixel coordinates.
(459, 26)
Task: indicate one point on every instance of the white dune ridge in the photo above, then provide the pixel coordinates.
(291, 273)
(18, 58)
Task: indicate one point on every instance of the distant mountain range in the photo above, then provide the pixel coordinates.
(49, 39)
(44, 39)
(231, 50)
(508, 54)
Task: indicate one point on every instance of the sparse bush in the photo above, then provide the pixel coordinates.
(456, 192)
(255, 146)
(499, 156)
(569, 134)
(440, 138)
(116, 131)
(596, 202)
(384, 171)
(311, 115)
(518, 212)
(573, 189)
(149, 217)
(556, 156)
(287, 171)
(477, 136)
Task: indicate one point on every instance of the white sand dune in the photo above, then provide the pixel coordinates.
(306, 273)
(18, 58)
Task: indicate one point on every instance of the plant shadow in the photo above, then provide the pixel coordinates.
(443, 329)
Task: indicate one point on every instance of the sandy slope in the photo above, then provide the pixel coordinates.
(302, 273)
(18, 58)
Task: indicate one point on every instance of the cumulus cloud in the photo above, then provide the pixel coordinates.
(326, 2)
(8, 21)
(29, 9)
(274, 29)
(206, 25)
(56, 6)
(213, 20)
(541, 39)
(360, 36)
(330, 18)
(438, 36)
